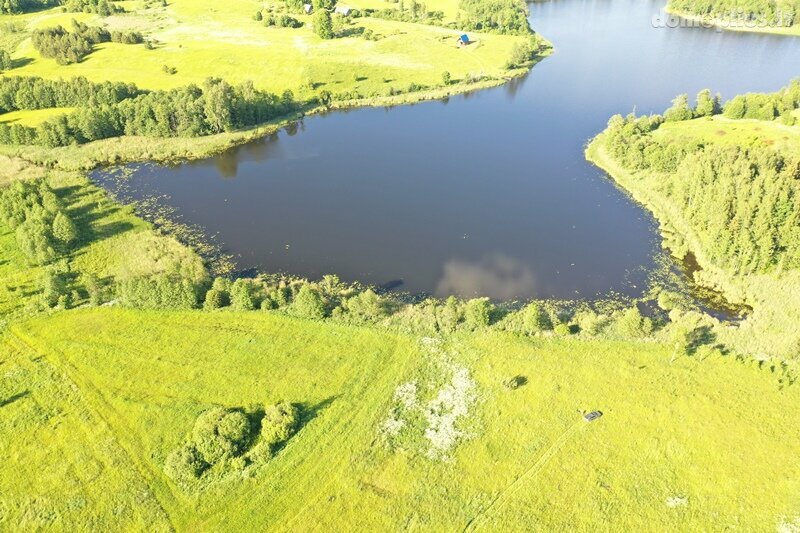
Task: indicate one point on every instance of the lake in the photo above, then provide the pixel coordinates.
(485, 194)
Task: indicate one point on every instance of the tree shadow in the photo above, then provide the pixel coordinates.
(15, 398)
(352, 32)
(699, 337)
(309, 412)
(21, 62)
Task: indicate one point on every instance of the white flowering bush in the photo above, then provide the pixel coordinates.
(406, 395)
(444, 412)
(433, 427)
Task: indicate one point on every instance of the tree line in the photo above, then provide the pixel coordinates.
(103, 8)
(71, 47)
(115, 109)
(758, 106)
(742, 202)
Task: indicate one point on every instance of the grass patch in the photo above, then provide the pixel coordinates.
(33, 117)
(199, 40)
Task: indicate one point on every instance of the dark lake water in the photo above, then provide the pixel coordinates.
(485, 194)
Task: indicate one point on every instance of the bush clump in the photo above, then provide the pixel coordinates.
(225, 440)
(185, 463)
(279, 423)
(309, 303)
(219, 433)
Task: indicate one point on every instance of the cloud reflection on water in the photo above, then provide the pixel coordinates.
(497, 276)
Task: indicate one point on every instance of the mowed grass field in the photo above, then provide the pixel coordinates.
(200, 39)
(95, 399)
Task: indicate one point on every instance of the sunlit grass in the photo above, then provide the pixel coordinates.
(683, 443)
(200, 40)
(32, 117)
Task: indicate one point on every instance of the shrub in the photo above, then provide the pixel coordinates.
(562, 328)
(631, 323)
(449, 315)
(308, 303)
(220, 433)
(279, 423)
(35, 240)
(477, 313)
(94, 289)
(735, 108)
(163, 291)
(521, 55)
(215, 299)
(590, 322)
(668, 300)
(184, 463)
(242, 295)
(707, 105)
(446, 79)
(323, 24)
(64, 229)
(5, 61)
(54, 287)
(365, 307)
(535, 319)
(680, 110)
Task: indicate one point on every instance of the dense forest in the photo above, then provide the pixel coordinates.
(114, 109)
(768, 12)
(744, 202)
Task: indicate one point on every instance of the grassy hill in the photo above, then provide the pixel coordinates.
(683, 444)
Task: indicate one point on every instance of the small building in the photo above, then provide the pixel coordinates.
(343, 10)
(463, 40)
(308, 8)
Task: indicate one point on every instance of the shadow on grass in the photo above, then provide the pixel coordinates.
(91, 211)
(15, 398)
(307, 413)
(699, 337)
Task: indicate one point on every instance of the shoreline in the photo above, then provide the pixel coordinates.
(174, 150)
(674, 232)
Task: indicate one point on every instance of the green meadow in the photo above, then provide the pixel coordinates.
(114, 390)
(199, 40)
